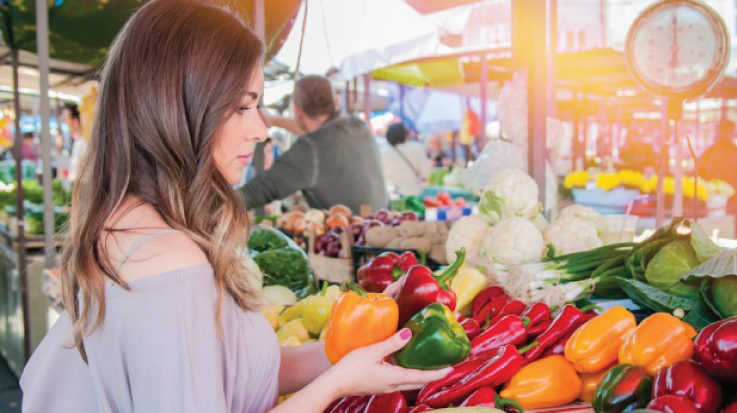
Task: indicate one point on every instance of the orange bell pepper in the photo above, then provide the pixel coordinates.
(359, 319)
(596, 344)
(548, 382)
(589, 383)
(659, 341)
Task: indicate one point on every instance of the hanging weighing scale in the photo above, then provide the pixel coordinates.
(677, 50)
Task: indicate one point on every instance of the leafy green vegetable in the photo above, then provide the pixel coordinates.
(265, 239)
(667, 267)
(637, 261)
(718, 288)
(284, 266)
(700, 316)
(650, 297)
(724, 293)
(702, 244)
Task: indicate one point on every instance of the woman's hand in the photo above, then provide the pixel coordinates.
(364, 371)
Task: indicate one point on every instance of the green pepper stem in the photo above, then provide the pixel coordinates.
(324, 289)
(525, 321)
(590, 307)
(351, 286)
(423, 257)
(451, 271)
(501, 402)
(527, 348)
(397, 273)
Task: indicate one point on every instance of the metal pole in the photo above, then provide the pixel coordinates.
(42, 52)
(552, 54)
(401, 102)
(484, 83)
(367, 96)
(21, 241)
(259, 19)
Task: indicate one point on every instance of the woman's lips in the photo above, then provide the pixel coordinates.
(245, 159)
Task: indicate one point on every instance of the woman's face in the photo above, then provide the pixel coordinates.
(236, 138)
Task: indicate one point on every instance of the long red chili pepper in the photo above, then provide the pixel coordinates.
(497, 370)
(471, 327)
(538, 313)
(491, 309)
(387, 403)
(510, 329)
(514, 307)
(485, 297)
(535, 331)
(458, 372)
(569, 319)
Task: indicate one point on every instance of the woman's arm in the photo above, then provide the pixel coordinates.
(300, 365)
(362, 371)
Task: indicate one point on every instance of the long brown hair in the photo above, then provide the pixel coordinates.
(175, 73)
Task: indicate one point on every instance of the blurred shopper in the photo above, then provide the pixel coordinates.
(720, 160)
(160, 310)
(336, 161)
(29, 149)
(406, 166)
(79, 144)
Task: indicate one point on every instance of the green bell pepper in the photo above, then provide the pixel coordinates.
(623, 389)
(438, 340)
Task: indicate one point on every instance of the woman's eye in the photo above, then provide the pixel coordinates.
(243, 109)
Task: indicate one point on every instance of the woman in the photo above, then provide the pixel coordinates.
(158, 305)
(406, 166)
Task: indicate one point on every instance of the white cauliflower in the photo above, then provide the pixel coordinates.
(466, 233)
(569, 235)
(540, 222)
(580, 211)
(513, 241)
(510, 193)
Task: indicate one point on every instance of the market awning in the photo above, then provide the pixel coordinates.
(81, 31)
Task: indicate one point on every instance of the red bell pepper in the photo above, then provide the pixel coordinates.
(471, 327)
(487, 397)
(497, 370)
(569, 319)
(534, 331)
(420, 408)
(688, 379)
(421, 288)
(485, 297)
(377, 274)
(672, 404)
(716, 349)
(387, 403)
(732, 408)
(510, 330)
(538, 313)
(458, 372)
(514, 307)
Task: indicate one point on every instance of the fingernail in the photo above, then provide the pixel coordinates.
(405, 334)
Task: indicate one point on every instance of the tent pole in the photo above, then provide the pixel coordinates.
(42, 51)
(367, 96)
(484, 82)
(401, 103)
(21, 241)
(259, 19)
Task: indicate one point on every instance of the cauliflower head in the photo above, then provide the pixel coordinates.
(466, 233)
(580, 211)
(514, 241)
(569, 235)
(510, 193)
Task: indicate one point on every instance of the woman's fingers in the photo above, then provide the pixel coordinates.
(392, 344)
(404, 376)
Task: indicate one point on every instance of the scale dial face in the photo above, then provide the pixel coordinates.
(678, 48)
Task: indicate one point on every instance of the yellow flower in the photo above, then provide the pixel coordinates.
(669, 185)
(630, 178)
(576, 179)
(608, 181)
(649, 186)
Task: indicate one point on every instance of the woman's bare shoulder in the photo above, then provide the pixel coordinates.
(140, 244)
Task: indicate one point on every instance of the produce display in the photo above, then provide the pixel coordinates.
(281, 261)
(404, 231)
(33, 205)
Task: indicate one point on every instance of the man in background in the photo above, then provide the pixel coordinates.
(335, 161)
(720, 160)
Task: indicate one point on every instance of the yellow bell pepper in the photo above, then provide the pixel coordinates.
(294, 328)
(316, 308)
(658, 342)
(466, 284)
(290, 341)
(589, 383)
(596, 344)
(271, 313)
(548, 382)
(291, 313)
